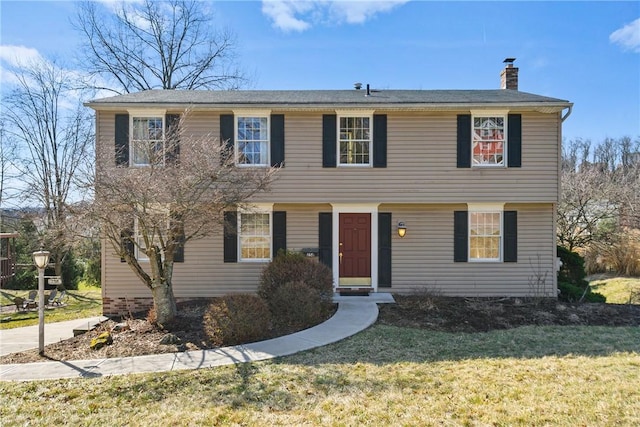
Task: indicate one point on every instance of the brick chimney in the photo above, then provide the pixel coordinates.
(509, 76)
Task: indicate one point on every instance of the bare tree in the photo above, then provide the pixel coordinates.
(157, 45)
(45, 117)
(150, 213)
(588, 199)
(8, 170)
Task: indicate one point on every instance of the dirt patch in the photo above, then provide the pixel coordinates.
(137, 337)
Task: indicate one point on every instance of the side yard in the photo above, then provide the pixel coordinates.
(86, 302)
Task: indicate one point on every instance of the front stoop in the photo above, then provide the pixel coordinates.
(356, 291)
(375, 297)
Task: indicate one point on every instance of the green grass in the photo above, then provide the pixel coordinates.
(618, 290)
(560, 376)
(86, 302)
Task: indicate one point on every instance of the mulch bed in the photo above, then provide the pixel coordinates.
(447, 314)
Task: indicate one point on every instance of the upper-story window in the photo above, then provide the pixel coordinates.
(354, 140)
(489, 140)
(147, 140)
(252, 140)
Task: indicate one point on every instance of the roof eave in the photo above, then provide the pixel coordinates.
(549, 107)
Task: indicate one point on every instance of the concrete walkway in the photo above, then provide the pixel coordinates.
(354, 314)
(21, 339)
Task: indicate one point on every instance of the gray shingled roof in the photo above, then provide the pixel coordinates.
(310, 98)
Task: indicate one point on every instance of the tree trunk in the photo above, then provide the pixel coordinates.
(164, 303)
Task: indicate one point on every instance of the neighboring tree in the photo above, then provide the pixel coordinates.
(8, 172)
(157, 45)
(586, 202)
(54, 131)
(599, 211)
(148, 214)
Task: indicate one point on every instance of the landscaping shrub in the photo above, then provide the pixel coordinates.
(289, 267)
(571, 279)
(572, 293)
(572, 270)
(295, 306)
(236, 319)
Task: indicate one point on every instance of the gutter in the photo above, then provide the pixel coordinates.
(566, 116)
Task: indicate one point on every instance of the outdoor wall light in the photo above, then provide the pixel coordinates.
(402, 229)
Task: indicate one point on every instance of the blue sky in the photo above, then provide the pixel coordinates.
(585, 52)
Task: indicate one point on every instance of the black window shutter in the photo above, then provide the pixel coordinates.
(126, 242)
(325, 238)
(514, 140)
(510, 236)
(230, 236)
(384, 250)
(279, 232)
(380, 141)
(177, 228)
(226, 135)
(329, 141)
(464, 140)
(122, 140)
(460, 236)
(277, 140)
(172, 138)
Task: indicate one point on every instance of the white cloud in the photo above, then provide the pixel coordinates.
(357, 12)
(283, 14)
(628, 36)
(292, 15)
(18, 56)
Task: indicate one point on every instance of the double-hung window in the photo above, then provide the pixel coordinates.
(147, 140)
(489, 143)
(354, 139)
(151, 232)
(254, 236)
(485, 234)
(252, 140)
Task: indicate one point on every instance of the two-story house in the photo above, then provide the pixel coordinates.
(453, 191)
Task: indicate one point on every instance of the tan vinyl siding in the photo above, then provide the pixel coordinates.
(204, 274)
(421, 165)
(421, 162)
(423, 259)
(421, 186)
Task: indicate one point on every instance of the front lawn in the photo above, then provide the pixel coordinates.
(386, 375)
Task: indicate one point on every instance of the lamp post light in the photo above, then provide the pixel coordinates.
(41, 259)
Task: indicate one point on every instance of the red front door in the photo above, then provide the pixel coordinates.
(355, 245)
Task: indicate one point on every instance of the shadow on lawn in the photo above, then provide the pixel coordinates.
(383, 344)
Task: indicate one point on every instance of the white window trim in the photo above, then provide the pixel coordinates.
(141, 256)
(491, 113)
(257, 208)
(251, 113)
(486, 208)
(354, 113)
(138, 113)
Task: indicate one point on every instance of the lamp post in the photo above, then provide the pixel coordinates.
(41, 259)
